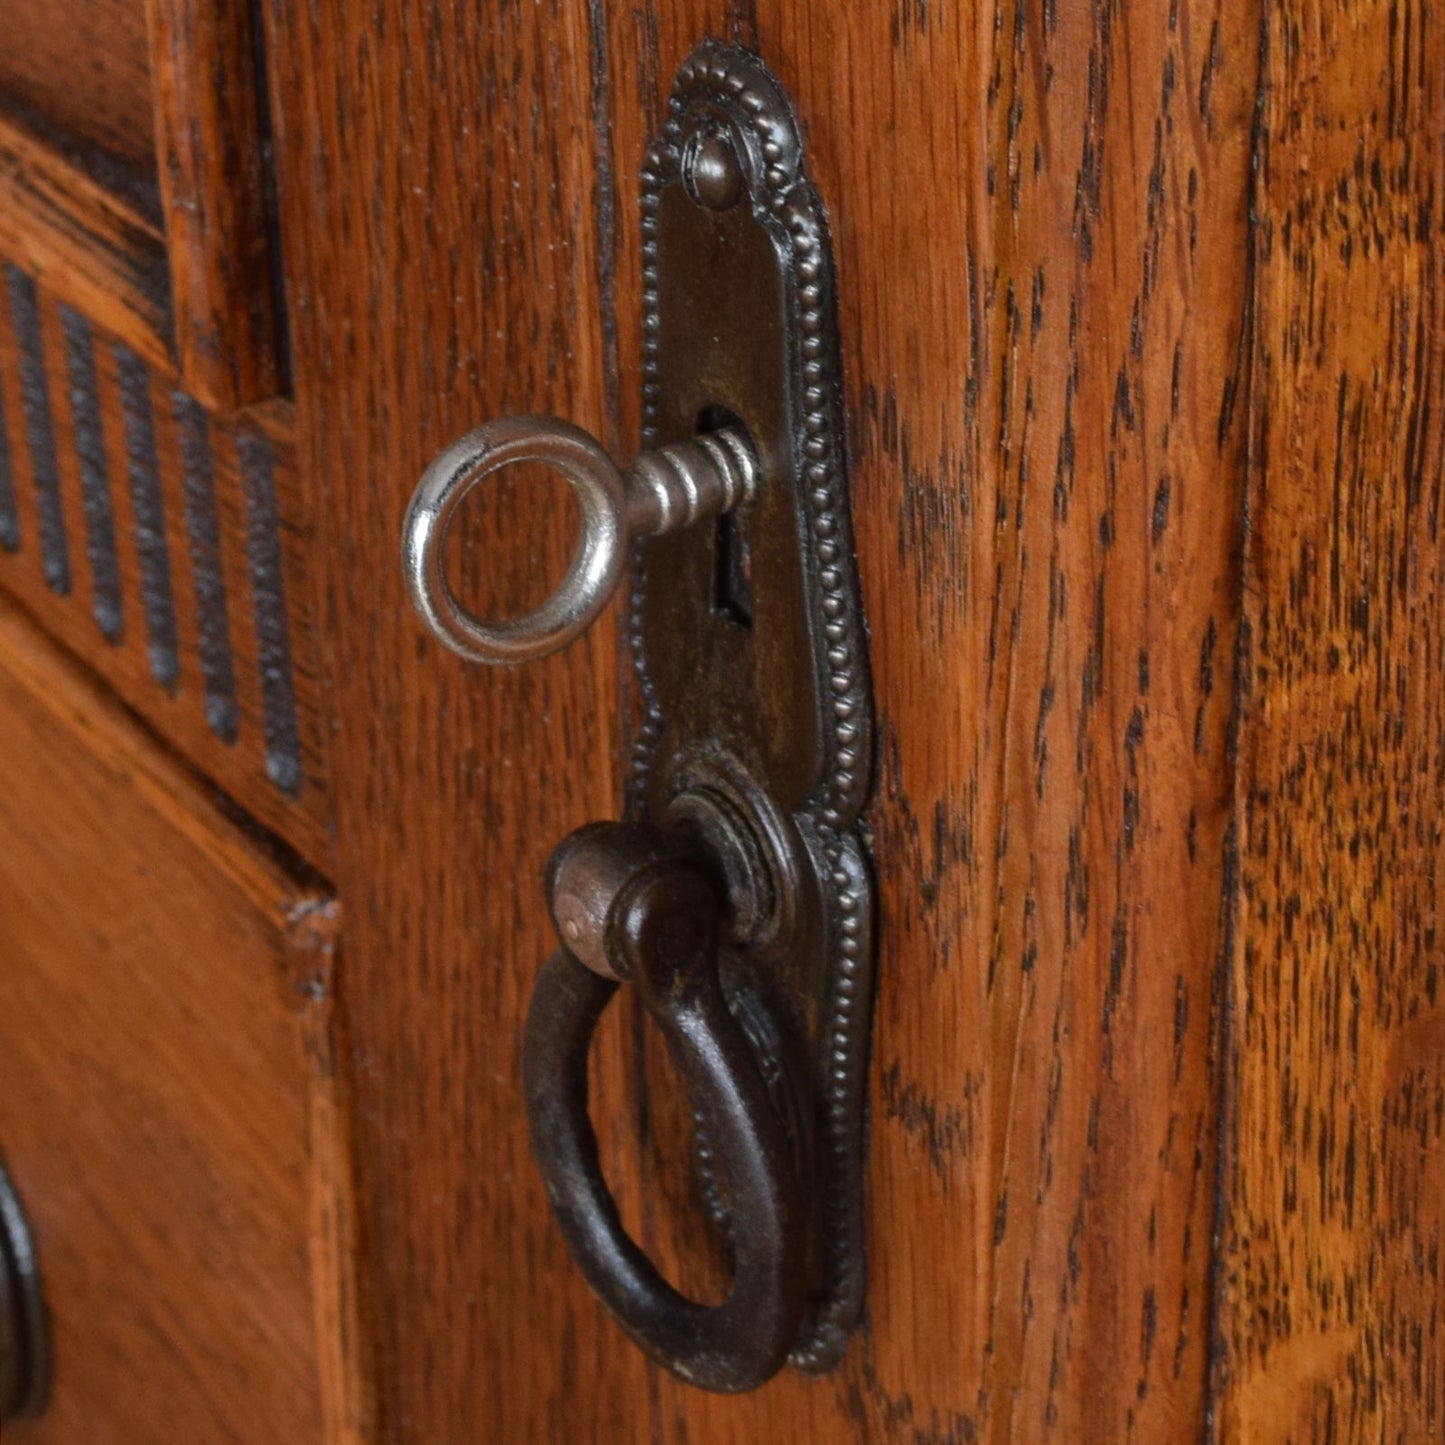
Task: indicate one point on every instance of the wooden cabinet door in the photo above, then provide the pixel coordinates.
(1143, 370)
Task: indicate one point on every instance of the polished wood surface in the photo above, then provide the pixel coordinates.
(458, 780)
(341, 1299)
(168, 1106)
(1042, 309)
(1332, 1278)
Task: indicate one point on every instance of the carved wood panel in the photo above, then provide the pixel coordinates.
(168, 547)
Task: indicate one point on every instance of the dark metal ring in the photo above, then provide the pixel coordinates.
(740, 1343)
(24, 1333)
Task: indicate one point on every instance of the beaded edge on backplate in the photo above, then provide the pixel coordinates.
(782, 199)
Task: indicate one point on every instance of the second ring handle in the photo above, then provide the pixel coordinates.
(662, 491)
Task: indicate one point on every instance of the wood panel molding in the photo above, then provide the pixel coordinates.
(170, 549)
(79, 71)
(341, 1297)
(211, 135)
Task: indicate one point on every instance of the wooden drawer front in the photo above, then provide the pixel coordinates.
(168, 548)
(133, 180)
(167, 1108)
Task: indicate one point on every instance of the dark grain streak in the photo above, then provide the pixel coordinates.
(604, 200)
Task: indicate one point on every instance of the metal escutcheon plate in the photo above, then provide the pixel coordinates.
(747, 630)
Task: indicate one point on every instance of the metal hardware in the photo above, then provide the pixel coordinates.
(629, 905)
(737, 900)
(662, 491)
(24, 1347)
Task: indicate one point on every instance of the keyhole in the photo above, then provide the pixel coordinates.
(732, 580)
(732, 561)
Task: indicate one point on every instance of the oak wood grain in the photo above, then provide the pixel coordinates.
(1060, 330)
(1334, 1209)
(168, 1106)
(135, 181)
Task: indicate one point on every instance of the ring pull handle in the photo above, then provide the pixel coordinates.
(24, 1346)
(663, 491)
(627, 907)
